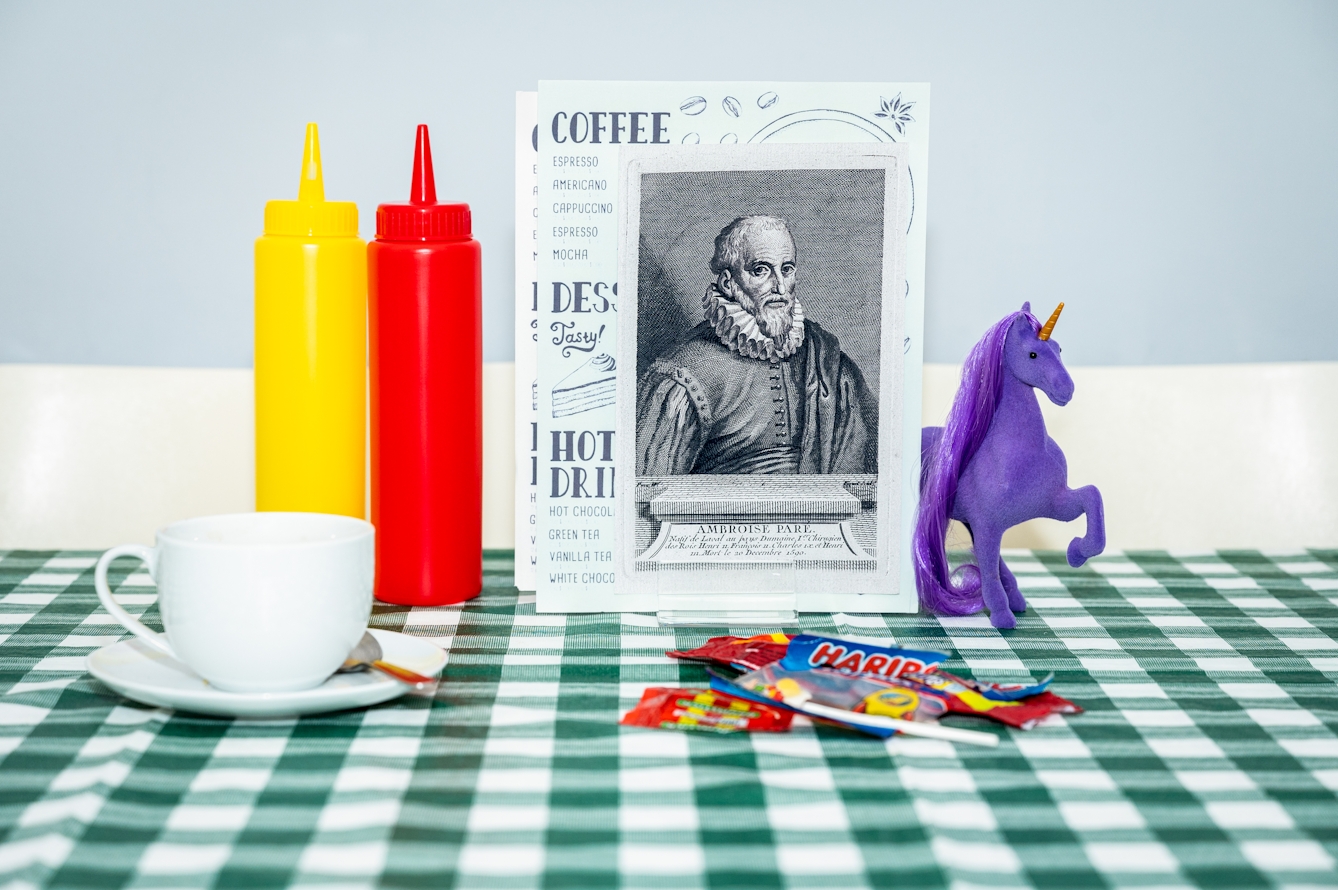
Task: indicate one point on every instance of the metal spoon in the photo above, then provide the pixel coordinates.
(367, 654)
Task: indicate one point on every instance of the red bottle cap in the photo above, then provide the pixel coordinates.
(423, 219)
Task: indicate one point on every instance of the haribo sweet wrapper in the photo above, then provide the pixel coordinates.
(705, 710)
(808, 651)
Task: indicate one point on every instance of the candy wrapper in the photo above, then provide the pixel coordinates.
(1010, 691)
(865, 678)
(970, 697)
(743, 653)
(704, 710)
(861, 695)
(808, 651)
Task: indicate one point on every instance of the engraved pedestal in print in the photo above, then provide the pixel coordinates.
(715, 522)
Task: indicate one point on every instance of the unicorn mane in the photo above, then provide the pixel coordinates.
(963, 433)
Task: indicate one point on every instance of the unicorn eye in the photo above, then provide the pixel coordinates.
(1033, 355)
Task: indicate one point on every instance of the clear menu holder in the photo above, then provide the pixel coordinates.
(755, 596)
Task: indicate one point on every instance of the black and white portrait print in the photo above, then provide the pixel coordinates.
(759, 322)
(759, 379)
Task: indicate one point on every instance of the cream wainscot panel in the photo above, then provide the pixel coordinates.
(1188, 457)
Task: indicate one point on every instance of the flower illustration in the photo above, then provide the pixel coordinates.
(897, 111)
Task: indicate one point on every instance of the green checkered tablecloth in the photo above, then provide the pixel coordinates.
(1207, 756)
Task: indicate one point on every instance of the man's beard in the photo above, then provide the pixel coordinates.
(776, 321)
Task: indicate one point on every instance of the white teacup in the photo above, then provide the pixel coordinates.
(256, 602)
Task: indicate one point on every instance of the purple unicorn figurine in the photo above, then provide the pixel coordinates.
(992, 466)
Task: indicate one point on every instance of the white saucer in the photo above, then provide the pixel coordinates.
(145, 675)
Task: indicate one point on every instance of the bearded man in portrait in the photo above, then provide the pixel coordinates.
(757, 387)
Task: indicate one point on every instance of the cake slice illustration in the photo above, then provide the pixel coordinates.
(590, 386)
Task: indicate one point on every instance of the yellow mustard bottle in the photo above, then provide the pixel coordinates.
(311, 351)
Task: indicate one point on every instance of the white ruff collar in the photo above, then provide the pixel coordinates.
(737, 328)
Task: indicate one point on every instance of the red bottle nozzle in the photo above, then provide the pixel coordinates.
(424, 188)
(422, 219)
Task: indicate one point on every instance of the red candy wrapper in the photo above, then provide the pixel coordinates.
(704, 710)
(964, 697)
(744, 653)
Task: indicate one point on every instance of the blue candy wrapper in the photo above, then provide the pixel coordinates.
(1011, 691)
(808, 651)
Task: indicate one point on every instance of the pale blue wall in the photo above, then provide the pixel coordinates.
(1167, 169)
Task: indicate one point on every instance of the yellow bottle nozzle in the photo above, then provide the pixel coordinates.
(311, 215)
(312, 185)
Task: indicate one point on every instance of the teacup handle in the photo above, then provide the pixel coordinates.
(131, 623)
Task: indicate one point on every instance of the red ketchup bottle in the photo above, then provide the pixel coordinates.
(425, 307)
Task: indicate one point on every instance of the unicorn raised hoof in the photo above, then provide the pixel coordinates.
(992, 466)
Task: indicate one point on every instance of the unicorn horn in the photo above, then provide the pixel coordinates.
(1050, 325)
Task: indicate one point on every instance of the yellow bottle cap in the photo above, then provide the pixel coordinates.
(311, 215)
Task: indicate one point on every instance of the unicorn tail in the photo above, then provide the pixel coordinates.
(933, 576)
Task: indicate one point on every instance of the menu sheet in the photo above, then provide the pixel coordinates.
(527, 335)
(581, 130)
